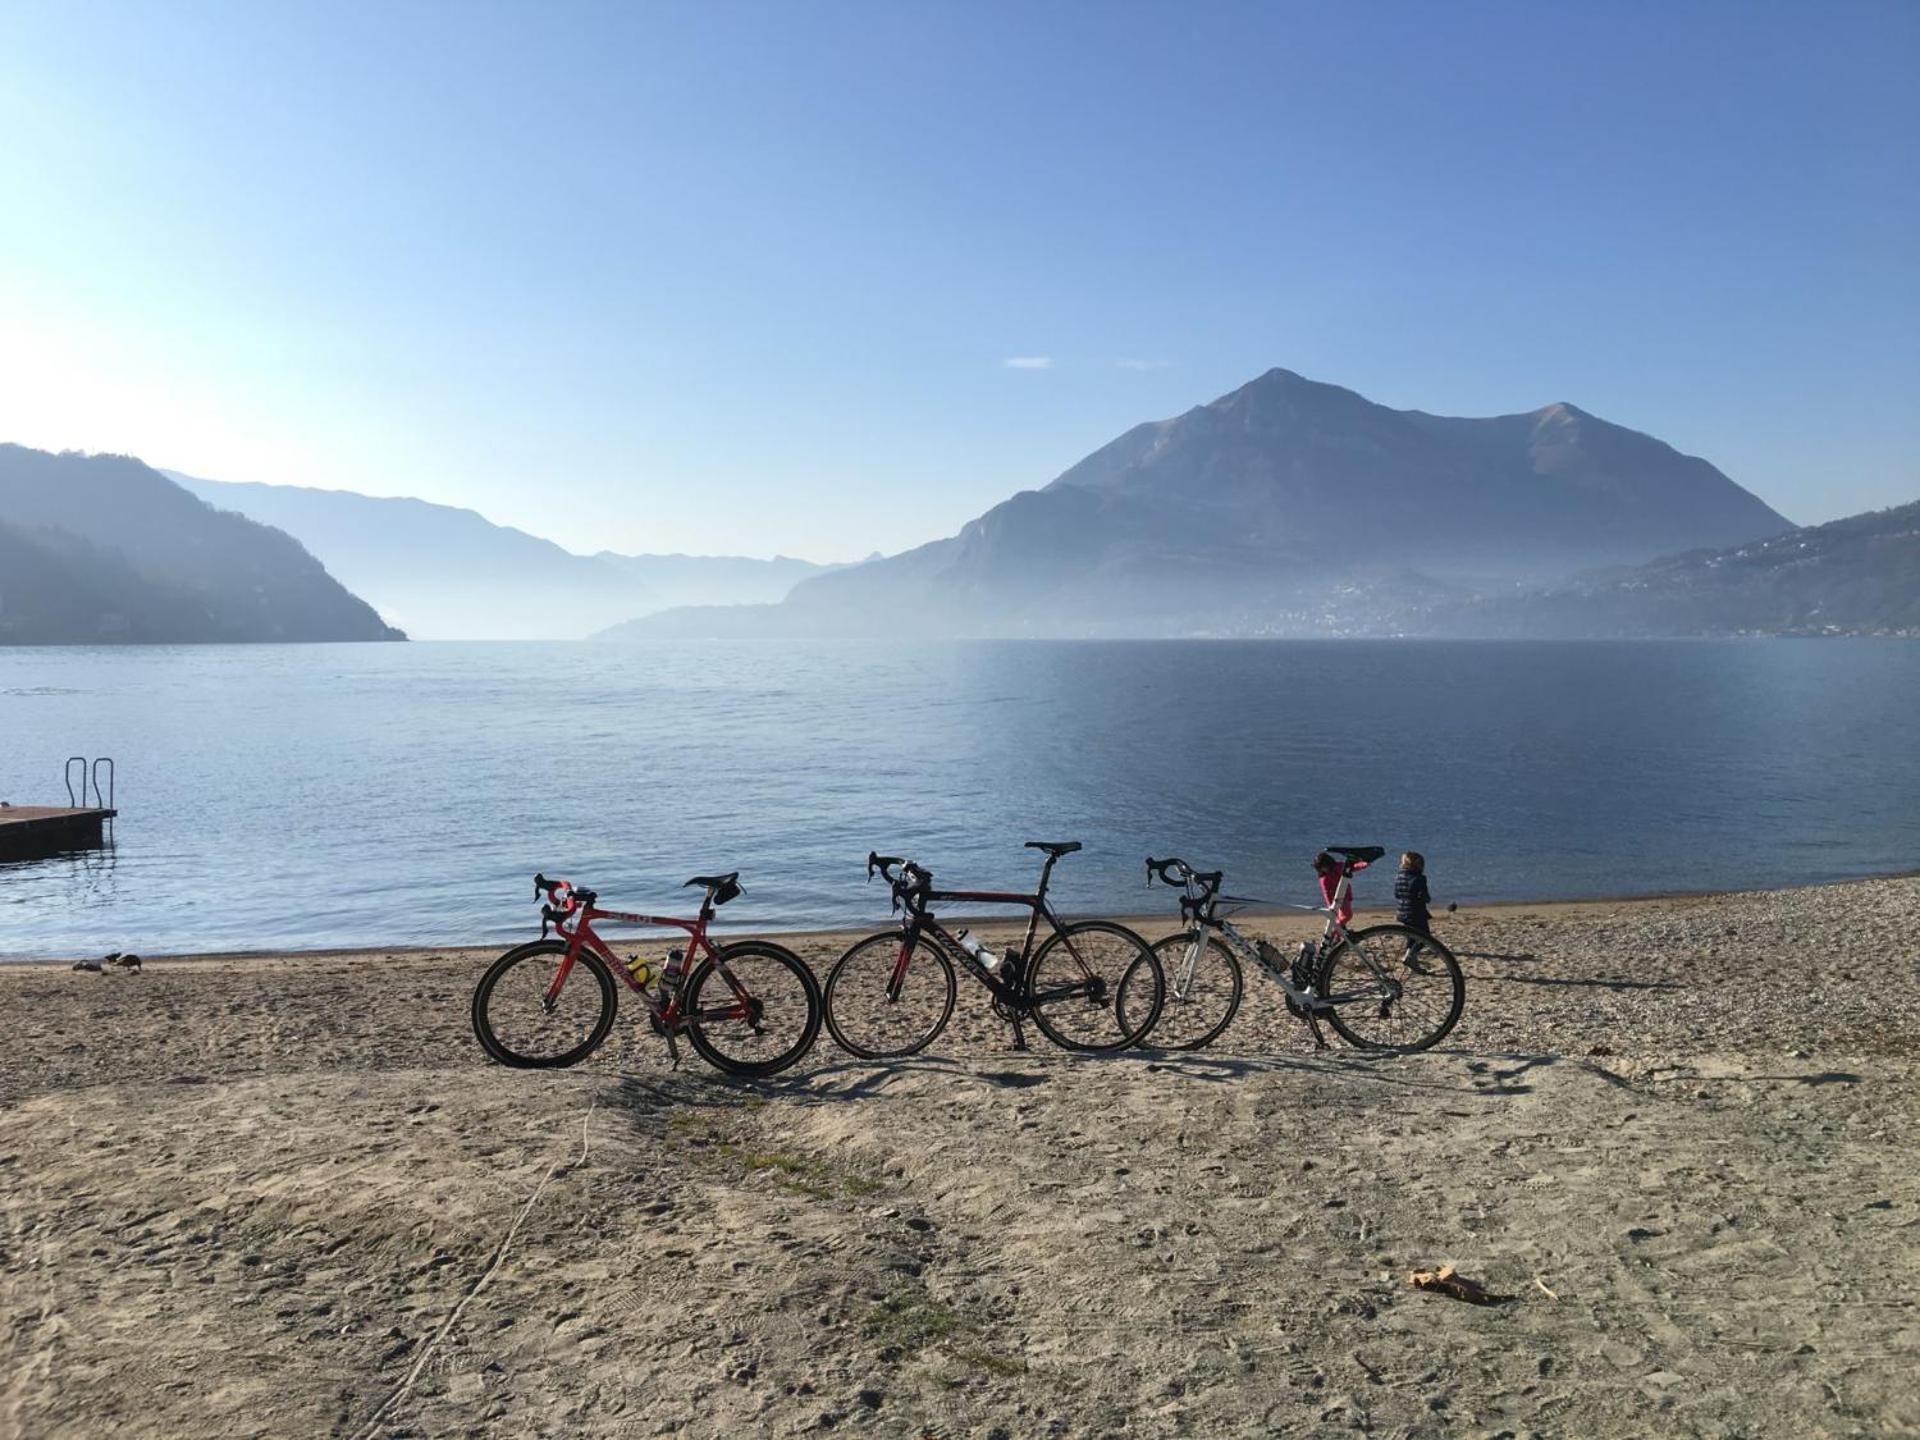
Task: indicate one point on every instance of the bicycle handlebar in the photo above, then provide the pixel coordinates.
(563, 897)
(1182, 871)
(908, 881)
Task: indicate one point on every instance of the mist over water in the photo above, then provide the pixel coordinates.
(309, 796)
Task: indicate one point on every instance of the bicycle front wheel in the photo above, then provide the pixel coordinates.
(886, 1000)
(1204, 987)
(754, 1008)
(1075, 981)
(1391, 988)
(525, 1016)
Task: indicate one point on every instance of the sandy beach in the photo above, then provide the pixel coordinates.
(287, 1195)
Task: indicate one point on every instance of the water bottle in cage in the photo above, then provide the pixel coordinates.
(988, 960)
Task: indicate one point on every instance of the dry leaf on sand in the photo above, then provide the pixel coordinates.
(1445, 1281)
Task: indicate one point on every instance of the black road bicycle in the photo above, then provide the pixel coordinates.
(892, 994)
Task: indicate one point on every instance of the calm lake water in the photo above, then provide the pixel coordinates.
(336, 794)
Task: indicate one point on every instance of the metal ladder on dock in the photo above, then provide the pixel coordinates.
(90, 772)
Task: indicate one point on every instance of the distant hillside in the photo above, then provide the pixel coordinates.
(451, 574)
(1258, 512)
(1857, 576)
(56, 589)
(101, 549)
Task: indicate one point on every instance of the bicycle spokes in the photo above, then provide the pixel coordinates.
(1391, 989)
(1095, 986)
(754, 1009)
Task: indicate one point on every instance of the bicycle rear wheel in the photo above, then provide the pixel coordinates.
(755, 1008)
(1204, 987)
(884, 1002)
(1391, 988)
(1075, 980)
(520, 1020)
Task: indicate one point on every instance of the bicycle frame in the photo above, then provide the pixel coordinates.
(1251, 952)
(918, 923)
(922, 926)
(668, 1015)
(1200, 914)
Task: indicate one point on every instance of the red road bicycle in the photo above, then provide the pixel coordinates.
(749, 1008)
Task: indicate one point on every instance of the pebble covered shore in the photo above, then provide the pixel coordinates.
(1674, 1138)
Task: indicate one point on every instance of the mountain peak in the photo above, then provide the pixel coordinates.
(1286, 397)
(1280, 380)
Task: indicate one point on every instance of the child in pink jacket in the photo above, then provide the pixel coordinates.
(1328, 869)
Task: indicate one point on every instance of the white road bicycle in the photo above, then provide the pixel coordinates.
(1384, 988)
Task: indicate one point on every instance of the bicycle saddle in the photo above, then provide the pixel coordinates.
(719, 888)
(1366, 854)
(1057, 848)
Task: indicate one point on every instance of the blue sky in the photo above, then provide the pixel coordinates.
(746, 278)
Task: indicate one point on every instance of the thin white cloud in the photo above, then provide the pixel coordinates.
(1028, 362)
(1141, 364)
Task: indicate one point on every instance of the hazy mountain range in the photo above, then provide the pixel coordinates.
(1857, 576)
(100, 548)
(1288, 507)
(445, 573)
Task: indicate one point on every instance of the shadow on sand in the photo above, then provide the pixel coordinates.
(843, 1080)
(1582, 984)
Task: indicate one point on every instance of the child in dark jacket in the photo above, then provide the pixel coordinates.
(1410, 897)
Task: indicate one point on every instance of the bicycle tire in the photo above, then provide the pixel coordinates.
(1052, 1015)
(1387, 946)
(1167, 1031)
(487, 1031)
(783, 959)
(858, 987)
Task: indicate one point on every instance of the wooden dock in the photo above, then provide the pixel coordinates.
(31, 831)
